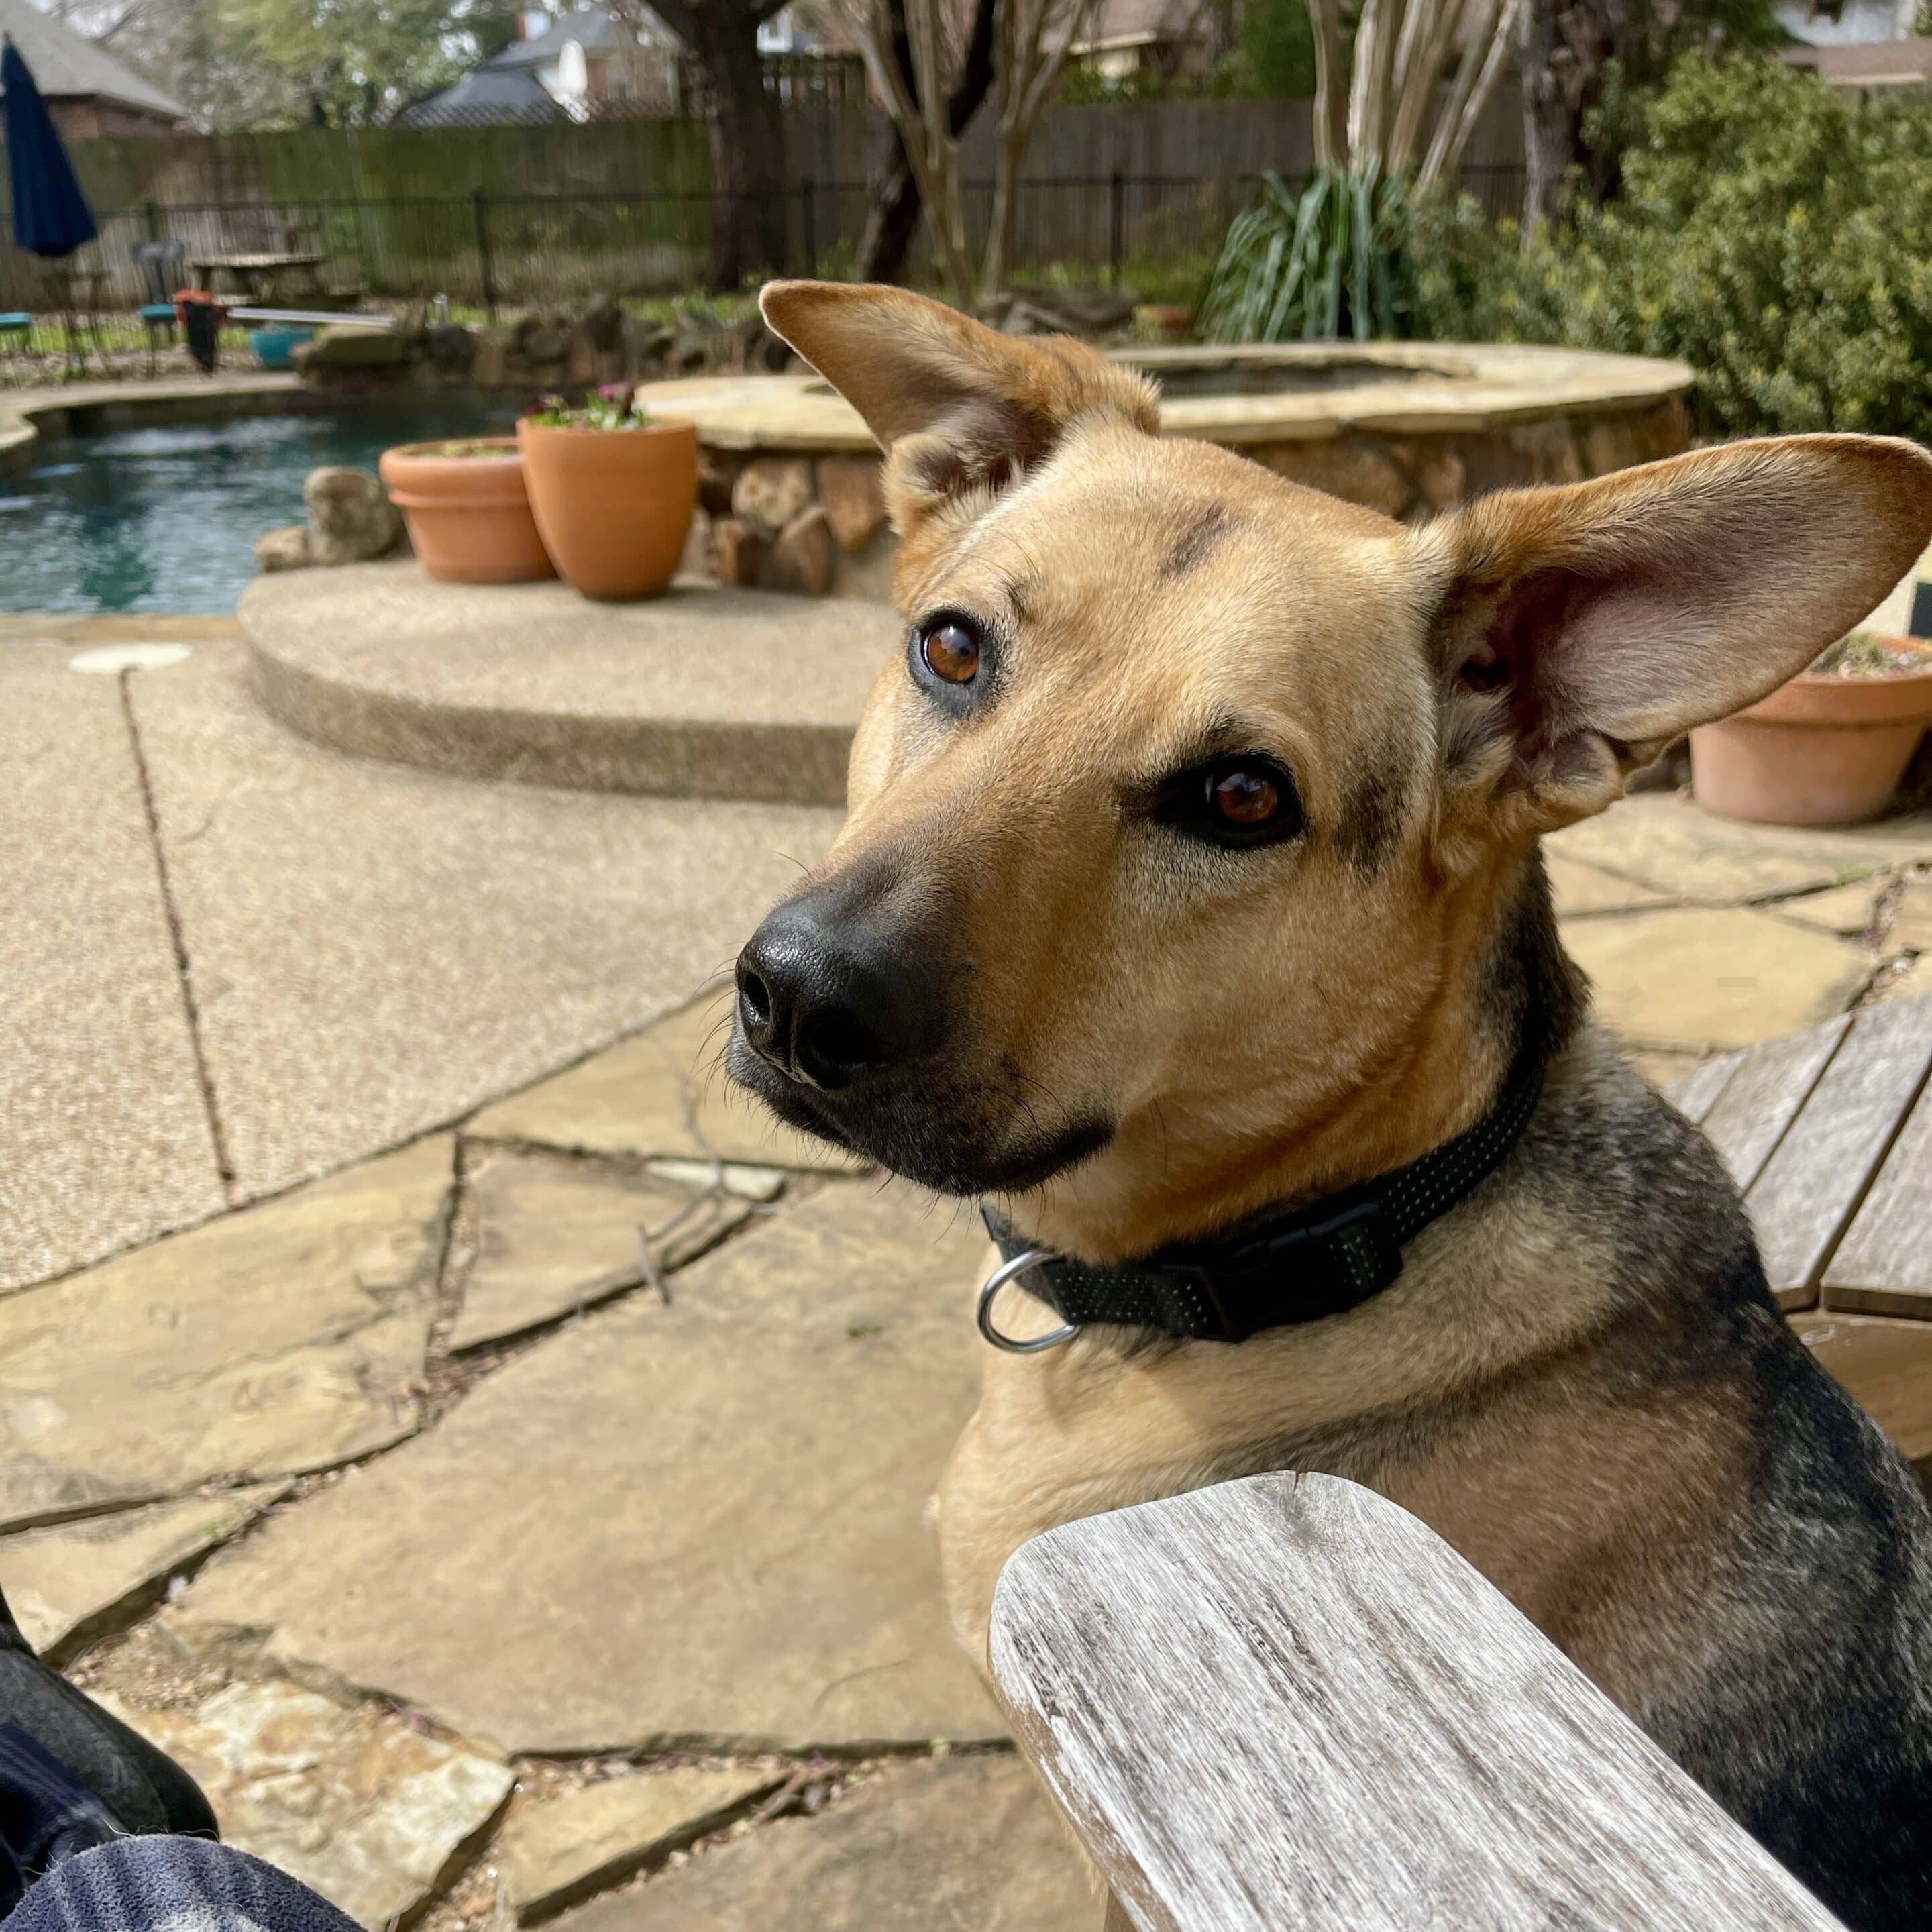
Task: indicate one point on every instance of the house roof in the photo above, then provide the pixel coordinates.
(1134, 23)
(1905, 63)
(488, 92)
(66, 68)
(594, 28)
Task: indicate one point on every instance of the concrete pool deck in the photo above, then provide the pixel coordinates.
(239, 960)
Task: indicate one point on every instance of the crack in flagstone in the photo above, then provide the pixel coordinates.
(178, 940)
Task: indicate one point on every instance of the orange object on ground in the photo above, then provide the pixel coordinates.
(1822, 750)
(469, 516)
(612, 505)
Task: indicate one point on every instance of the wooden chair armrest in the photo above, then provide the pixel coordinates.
(1285, 1702)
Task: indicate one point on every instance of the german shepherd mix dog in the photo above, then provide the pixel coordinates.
(1192, 877)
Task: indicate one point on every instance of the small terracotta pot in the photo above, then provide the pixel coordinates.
(1172, 319)
(1821, 750)
(469, 516)
(613, 505)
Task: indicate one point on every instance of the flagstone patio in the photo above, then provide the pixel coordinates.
(504, 1484)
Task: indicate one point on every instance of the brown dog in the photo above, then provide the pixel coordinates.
(1192, 870)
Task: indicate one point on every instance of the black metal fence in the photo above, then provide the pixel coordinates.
(492, 251)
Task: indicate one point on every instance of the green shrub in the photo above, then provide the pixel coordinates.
(1772, 233)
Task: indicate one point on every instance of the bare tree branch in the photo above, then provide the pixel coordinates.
(1481, 67)
(1419, 77)
(1331, 86)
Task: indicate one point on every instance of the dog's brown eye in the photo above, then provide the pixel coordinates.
(1245, 799)
(951, 652)
(1245, 796)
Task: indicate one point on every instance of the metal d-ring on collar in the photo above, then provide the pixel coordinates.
(1317, 1261)
(996, 1280)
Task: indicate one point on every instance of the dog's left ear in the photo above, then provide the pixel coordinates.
(961, 408)
(1579, 631)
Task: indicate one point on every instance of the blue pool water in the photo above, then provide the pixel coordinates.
(165, 519)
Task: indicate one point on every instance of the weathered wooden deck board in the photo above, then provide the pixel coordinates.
(1883, 1266)
(1762, 1097)
(1802, 1201)
(1284, 1703)
(1695, 1093)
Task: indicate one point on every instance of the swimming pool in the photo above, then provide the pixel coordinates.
(165, 519)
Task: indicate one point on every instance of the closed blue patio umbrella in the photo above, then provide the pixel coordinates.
(51, 216)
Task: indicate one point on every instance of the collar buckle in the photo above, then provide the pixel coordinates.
(1339, 1261)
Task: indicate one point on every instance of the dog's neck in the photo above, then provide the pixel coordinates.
(1440, 1075)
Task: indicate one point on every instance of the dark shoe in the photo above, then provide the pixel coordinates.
(146, 1791)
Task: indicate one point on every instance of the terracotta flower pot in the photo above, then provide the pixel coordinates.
(1170, 319)
(614, 505)
(469, 516)
(1822, 750)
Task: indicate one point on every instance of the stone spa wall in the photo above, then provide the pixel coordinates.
(789, 489)
(789, 485)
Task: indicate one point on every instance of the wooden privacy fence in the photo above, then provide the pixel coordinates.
(492, 249)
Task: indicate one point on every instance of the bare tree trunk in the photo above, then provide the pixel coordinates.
(747, 156)
(1563, 49)
(997, 268)
(1031, 41)
(891, 213)
(749, 176)
(891, 217)
(1331, 86)
(1484, 59)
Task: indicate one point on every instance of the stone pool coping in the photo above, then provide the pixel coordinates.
(28, 415)
(1490, 386)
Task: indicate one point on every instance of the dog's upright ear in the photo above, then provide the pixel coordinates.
(1579, 631)
(960, 409)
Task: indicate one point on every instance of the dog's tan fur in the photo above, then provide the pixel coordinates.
(1272, 1029)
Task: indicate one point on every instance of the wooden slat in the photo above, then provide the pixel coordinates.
(1811, 1186)
(1761, 1098)
(1884, 1265)
(1284, 1703)
(1694, 1094)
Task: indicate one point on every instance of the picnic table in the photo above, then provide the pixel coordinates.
(265, 278)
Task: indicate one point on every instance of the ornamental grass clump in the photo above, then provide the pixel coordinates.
(1327, 262)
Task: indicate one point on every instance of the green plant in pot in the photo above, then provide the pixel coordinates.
(612, 489)
(1828, 748)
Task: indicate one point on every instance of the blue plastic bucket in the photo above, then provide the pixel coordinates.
(273, 347)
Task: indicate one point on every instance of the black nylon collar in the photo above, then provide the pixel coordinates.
(1318, 1260)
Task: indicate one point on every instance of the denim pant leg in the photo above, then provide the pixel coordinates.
(171, 1884)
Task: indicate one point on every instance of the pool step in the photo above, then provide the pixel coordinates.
(707, 693)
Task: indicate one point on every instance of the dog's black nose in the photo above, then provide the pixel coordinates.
(825, 1006)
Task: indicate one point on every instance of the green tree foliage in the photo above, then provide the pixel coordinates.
(1773, 233)
(351, 63)
(1272, 57)
(1276, 51)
